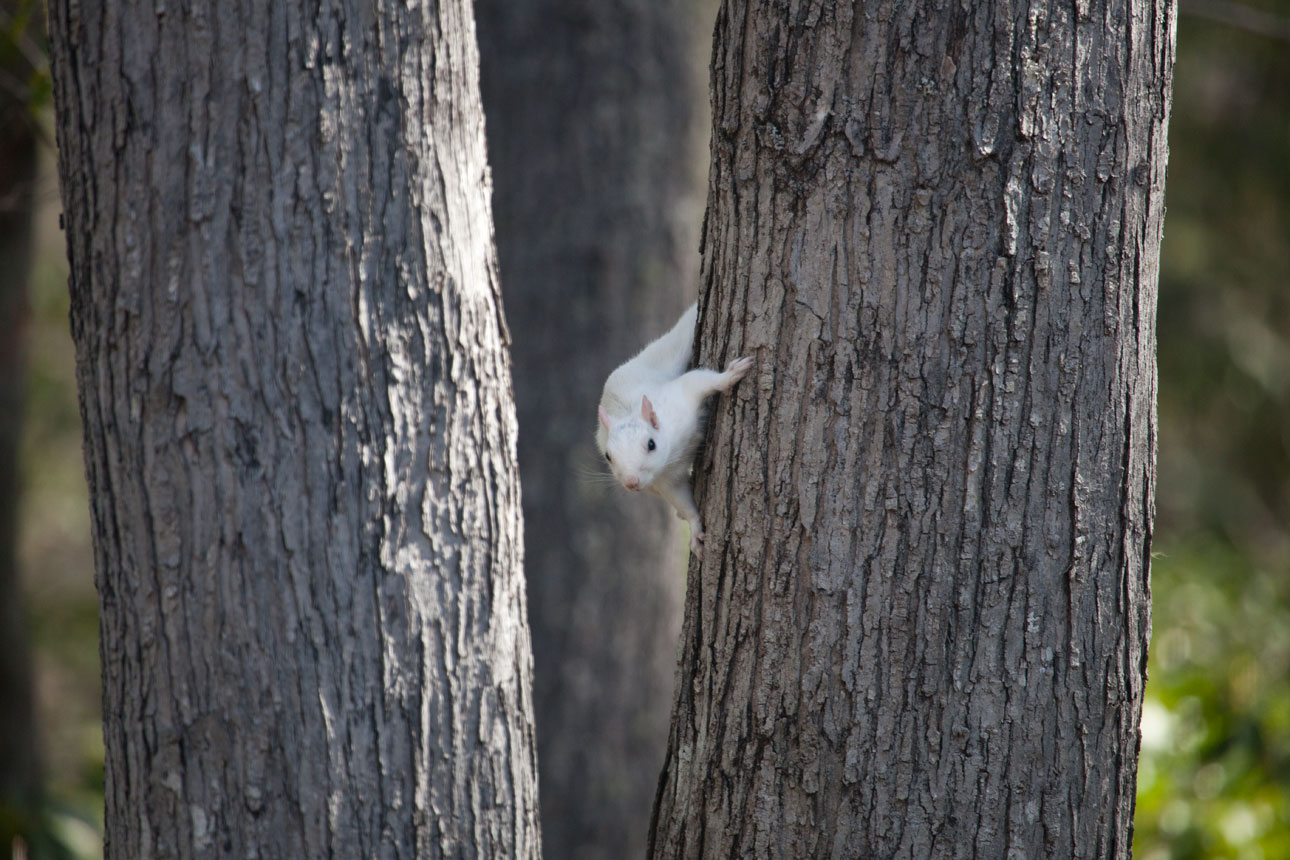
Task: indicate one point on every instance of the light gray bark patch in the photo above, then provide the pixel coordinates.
(300, 437)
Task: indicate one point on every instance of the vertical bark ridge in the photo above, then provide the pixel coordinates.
(300, 438)
(937, 229)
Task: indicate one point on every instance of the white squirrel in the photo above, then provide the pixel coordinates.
(651, 413)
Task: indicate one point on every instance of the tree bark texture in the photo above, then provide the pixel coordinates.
(919, 625)
(299, 432)
(594, 137)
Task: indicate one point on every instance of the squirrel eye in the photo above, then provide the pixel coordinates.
(651, 445)
(608, 458)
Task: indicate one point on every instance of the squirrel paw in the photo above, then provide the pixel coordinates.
(738, 369)
(696, 539)
(697, 533)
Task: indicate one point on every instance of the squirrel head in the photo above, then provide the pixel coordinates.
(636, 447)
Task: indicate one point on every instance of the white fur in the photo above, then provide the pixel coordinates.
(653, 397)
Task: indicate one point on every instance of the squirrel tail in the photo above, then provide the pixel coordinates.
(670, 354)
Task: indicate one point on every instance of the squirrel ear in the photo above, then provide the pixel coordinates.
(648, 413)
(604, 416)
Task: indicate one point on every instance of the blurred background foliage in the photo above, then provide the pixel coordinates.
(1214, 779)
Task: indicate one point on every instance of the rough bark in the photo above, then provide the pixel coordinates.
(919, 625)
(593, 125)
(299, 433)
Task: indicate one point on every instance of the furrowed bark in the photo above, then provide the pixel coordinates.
(919, 627)
(300, 438)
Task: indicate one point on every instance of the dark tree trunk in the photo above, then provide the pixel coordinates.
(299, 432)
(594, 134)
(919, 625)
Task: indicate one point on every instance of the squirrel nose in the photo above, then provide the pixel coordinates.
(632, 483)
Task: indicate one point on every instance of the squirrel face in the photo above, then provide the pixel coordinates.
(635, 447)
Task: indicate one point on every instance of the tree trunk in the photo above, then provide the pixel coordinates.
(299, 432)
(919, 625)
(593, 128)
